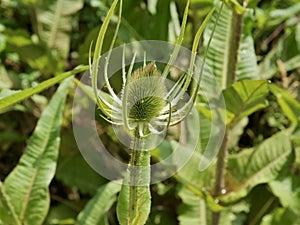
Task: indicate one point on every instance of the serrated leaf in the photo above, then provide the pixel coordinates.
(96, 209)
(54, 23)
(244, 98)
(192, 210)
(218, 54)
(7, 212)
(27, 185)
(258, 165)
(247, 65)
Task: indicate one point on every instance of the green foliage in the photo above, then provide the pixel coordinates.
(193, 211)
(289, 105)
(54, 21)
(134, 201)
(8, 214)
(220, 50)
(96, 210)
(258, 165)
(71, 166)
(21, 95)
(42, 44)
(36, 55)
(286, 188)
(249, 96)
(26, 187)
(280, 216)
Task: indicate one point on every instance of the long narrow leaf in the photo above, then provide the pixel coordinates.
(21, 95)
(7, 212)
(98, 50)
(27, 185)
(97, 208)
(289, 105)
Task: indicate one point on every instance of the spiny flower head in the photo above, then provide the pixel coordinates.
(146, 106)
(146, 94)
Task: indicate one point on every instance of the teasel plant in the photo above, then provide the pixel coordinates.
(145, 107)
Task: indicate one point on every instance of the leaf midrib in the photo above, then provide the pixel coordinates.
(54, 28)
(241, 109)
(268, 166)
(6, 199)
(33, 180)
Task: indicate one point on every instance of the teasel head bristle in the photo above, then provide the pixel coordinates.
(146, 92)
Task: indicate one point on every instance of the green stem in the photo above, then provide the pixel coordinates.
(221, 164)
(134, 202)
(237, 22)
(139, 173)
(219, 188)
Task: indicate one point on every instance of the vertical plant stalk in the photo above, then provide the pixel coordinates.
(221, 165)
(135, 199)
(139, 158)
(219, 187)
(237, 22)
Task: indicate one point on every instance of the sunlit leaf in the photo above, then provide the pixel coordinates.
(55, 22)
(258, 165)
(289, 105)
(287, 188)
(192, 210)
(219, 51)
(21, 95)
(244, 98)
(27, 185)
(96, 209)
(36, 55)
(7, 211)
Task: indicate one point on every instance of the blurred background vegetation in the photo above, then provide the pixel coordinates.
(40, 39)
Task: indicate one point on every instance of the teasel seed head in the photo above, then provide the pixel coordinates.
(146, 92)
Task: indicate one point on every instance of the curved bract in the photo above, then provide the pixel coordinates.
(145, 103)
(146, 106)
